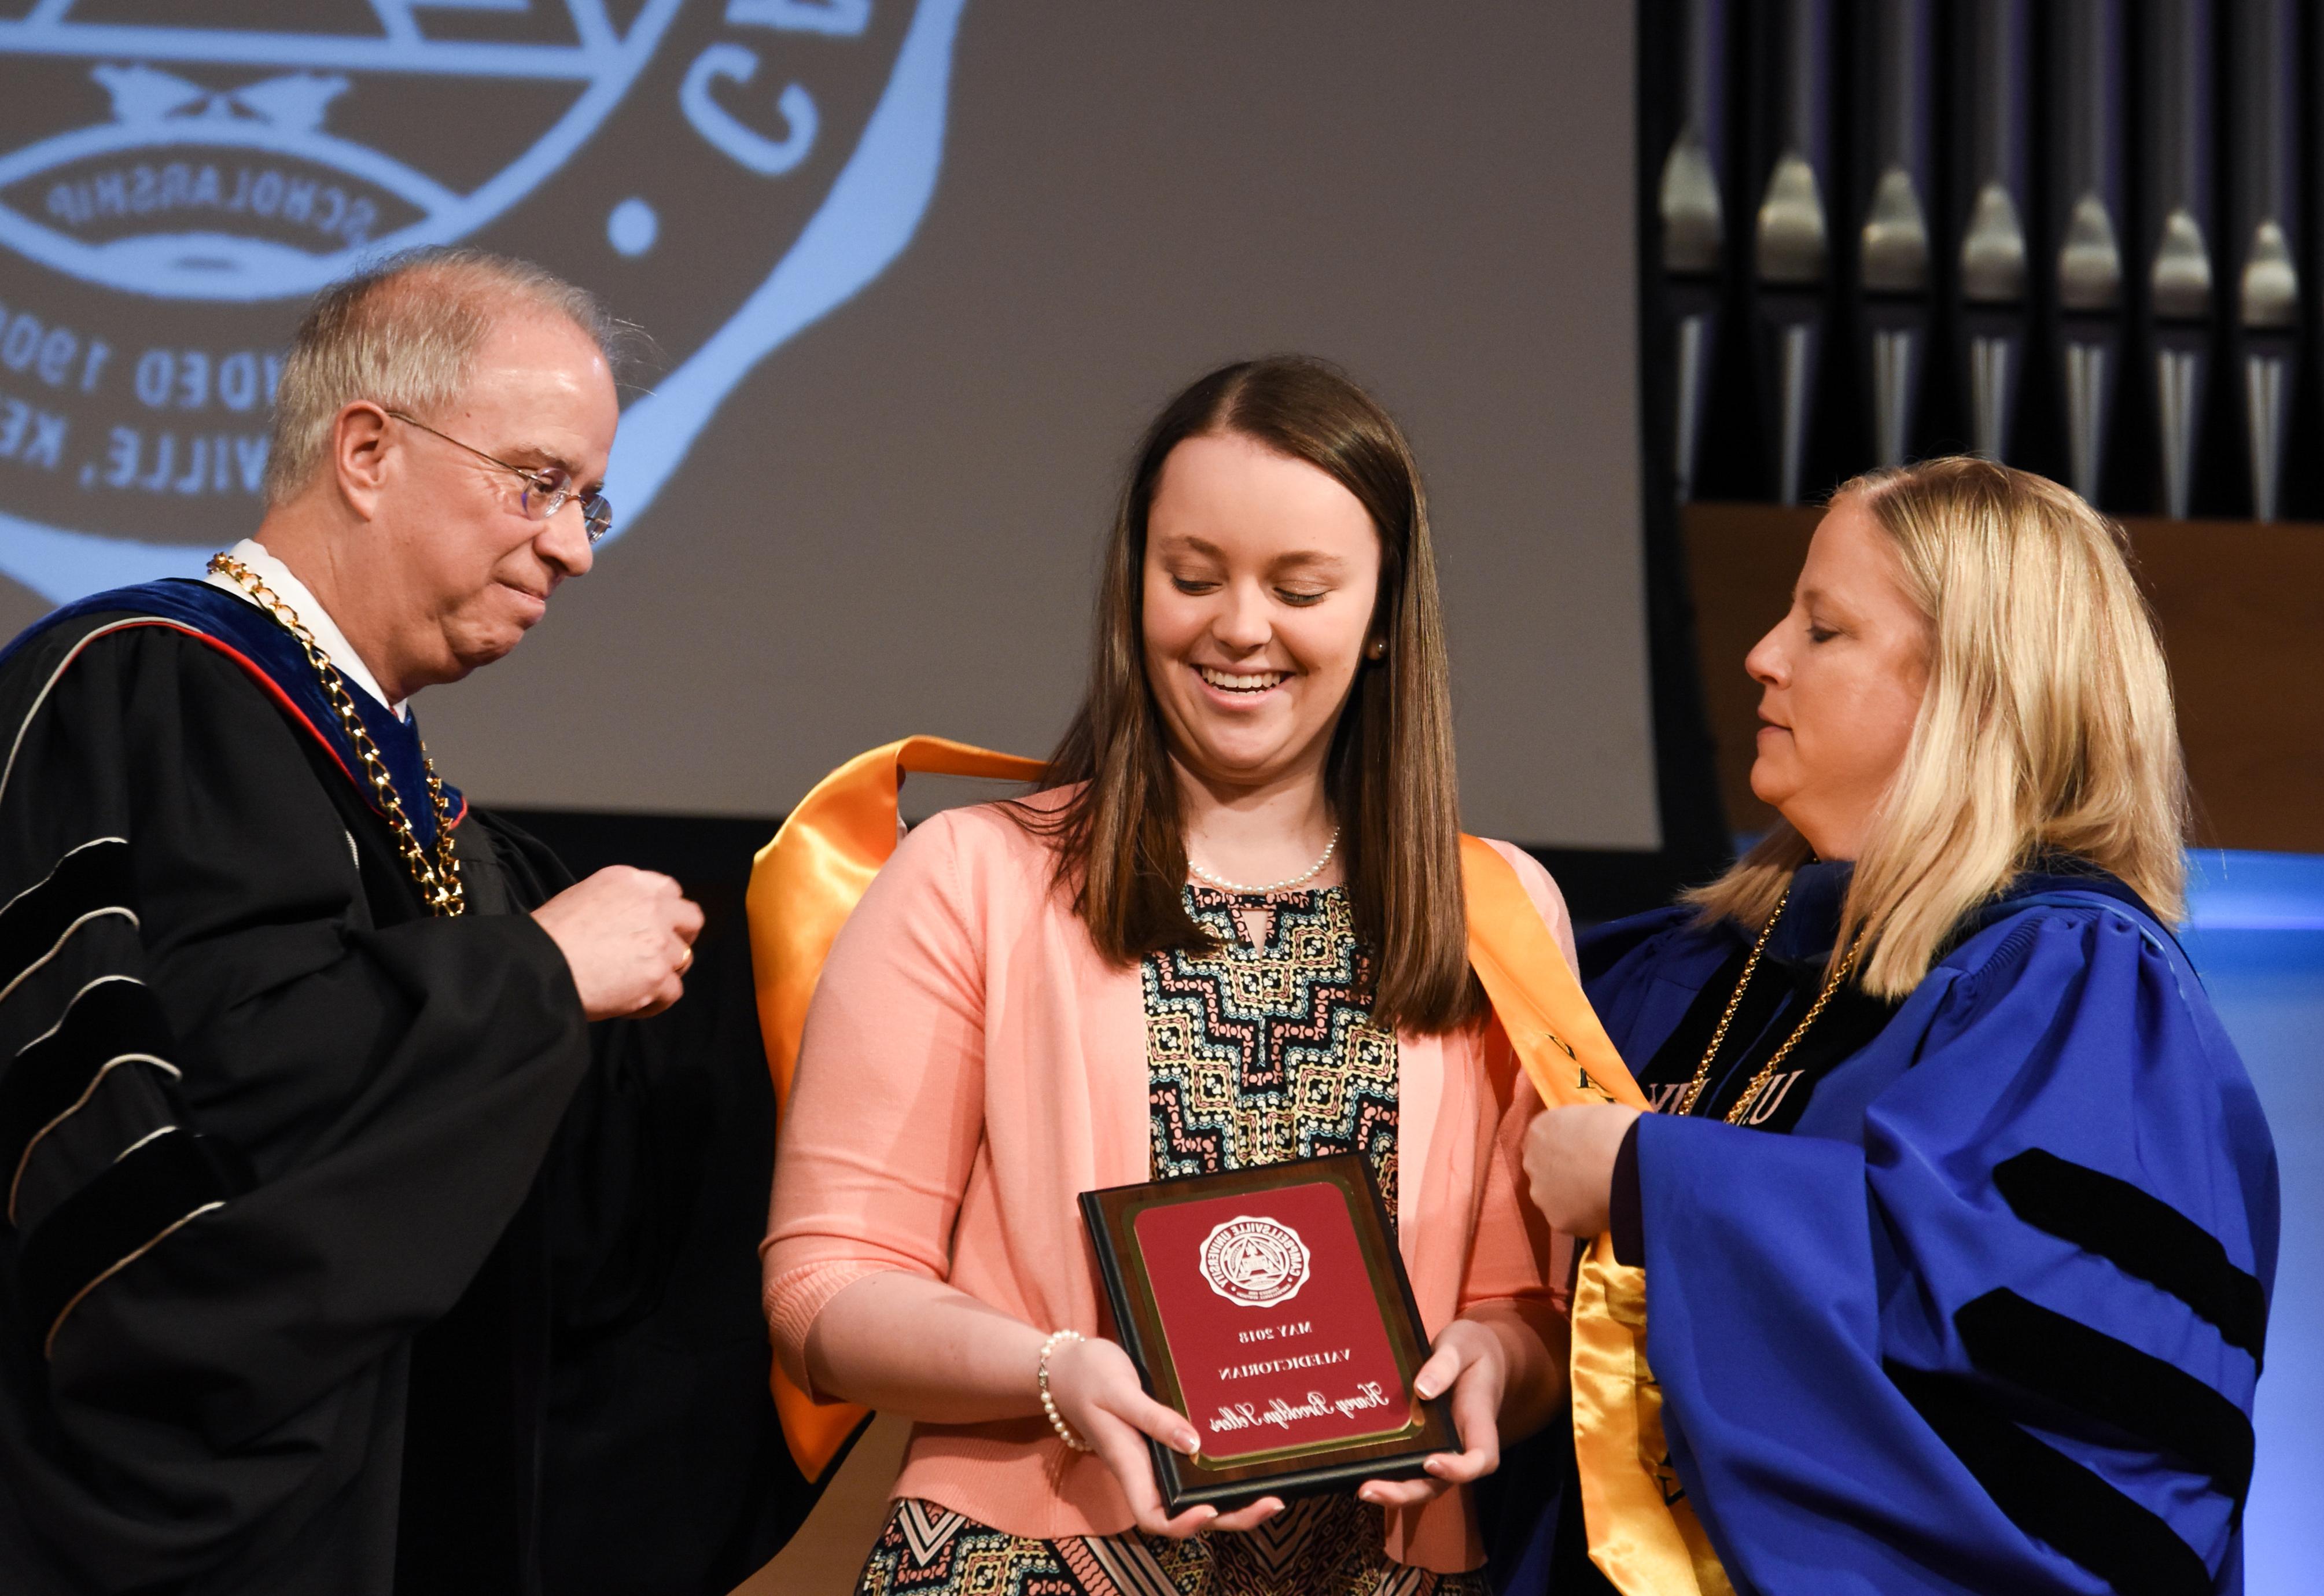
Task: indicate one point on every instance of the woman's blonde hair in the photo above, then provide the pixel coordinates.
(2047, 723)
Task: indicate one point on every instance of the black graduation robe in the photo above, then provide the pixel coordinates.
(298, 1267)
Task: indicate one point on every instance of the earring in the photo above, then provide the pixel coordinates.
(1376, 650)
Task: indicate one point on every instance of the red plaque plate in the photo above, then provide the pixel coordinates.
(1270, 1306)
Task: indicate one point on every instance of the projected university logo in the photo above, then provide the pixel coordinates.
(724, 170)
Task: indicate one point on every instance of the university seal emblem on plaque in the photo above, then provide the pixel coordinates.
(1255, 1262)
(723, 172)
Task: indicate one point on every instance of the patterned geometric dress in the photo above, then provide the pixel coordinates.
(1258, 1053)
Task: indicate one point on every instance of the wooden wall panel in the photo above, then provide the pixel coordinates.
(2241, 606)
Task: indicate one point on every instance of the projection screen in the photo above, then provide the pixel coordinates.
(915, 274)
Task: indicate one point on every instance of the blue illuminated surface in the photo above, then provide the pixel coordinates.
(2256, 934)
(874, 209)
(869, 214)
(631, 226)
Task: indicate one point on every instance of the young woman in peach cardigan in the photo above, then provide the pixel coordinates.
(1227, 932)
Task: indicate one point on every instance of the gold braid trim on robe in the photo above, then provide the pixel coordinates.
(1642, 1532)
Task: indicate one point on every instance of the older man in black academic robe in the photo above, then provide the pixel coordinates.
(314, 1163)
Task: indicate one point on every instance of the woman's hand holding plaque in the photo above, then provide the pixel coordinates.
(1098, 1393)
(1471, 1363)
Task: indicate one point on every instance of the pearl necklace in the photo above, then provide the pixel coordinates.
(1308, 874)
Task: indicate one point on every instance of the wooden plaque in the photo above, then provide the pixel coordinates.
(1271, 1307)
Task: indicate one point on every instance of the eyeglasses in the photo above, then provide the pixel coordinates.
(545, 492)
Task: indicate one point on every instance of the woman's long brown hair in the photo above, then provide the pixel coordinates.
(1389, 775)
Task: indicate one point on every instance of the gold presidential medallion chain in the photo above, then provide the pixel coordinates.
(1766, 1071)
(439, 879)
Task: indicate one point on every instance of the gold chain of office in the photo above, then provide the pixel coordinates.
(1766, 1072)
(439, 879)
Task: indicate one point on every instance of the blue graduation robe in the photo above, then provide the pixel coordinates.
(1990, 1316)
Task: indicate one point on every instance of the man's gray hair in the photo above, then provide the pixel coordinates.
(404, 336)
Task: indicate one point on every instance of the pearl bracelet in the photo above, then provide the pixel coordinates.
(1048, 1403)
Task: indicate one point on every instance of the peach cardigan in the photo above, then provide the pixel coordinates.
(971, 1064)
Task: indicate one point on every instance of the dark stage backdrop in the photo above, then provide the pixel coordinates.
(916, 274)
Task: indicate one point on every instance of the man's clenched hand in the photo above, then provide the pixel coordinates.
(629, 937)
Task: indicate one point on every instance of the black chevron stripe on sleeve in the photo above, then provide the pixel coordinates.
(92, 880)
(95, 1165)
(150, 1191)
(111, 1021)
(2070, 1363)
(2140, 1234)
(2049, 1496)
